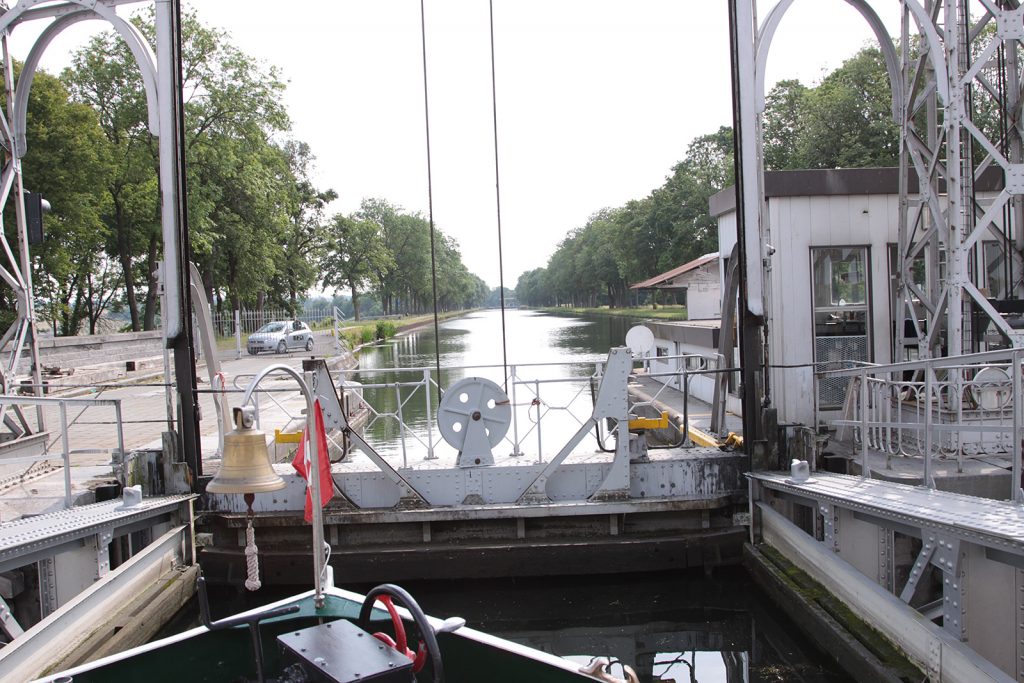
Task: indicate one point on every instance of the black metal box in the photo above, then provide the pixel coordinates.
(341, 652)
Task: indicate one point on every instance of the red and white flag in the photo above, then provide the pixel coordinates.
(301, 463)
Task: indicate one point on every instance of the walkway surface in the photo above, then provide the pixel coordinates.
(1000, 522)
(698, 412)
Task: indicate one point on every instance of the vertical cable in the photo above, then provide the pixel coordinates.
(497, 199)
(430, 197)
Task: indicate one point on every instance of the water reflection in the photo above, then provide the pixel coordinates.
(681, 627)
(472, 346)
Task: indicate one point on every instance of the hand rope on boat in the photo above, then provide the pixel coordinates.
(252, 560)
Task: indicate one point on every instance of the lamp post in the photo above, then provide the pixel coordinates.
(304, 380)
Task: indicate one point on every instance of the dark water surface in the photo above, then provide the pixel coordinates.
(682, 626)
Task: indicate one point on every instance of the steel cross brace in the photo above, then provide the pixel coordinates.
(8, 624)
(611, 402)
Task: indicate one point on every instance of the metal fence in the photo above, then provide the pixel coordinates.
(232, 323)
(549, 402)
(960, 407)
(241, 323)
(49, 449)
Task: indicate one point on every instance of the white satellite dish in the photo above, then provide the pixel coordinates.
(639, 339)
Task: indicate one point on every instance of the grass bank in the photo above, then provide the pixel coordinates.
(359, 333)
(659, 313)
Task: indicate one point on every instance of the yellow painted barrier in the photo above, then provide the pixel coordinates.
(650, 422)
(702, 438)
(287, 437)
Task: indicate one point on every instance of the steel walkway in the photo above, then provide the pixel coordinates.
(992, 523)
(31, 538)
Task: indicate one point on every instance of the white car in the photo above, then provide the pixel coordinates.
(281, 336)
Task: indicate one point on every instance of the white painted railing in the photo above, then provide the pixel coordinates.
(550, 401)
(960, 407)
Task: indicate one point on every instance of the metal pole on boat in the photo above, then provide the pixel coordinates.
(314, 483)
(174, 224)
(748, 226)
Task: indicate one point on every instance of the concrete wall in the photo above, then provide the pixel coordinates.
(74, 352)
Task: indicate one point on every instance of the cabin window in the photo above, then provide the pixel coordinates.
(841, 312)
(662, 351)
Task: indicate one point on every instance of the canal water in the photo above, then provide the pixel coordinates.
(679, 626)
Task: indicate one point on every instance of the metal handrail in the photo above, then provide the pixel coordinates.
(533, 410)
(66, 451)
(940, 414)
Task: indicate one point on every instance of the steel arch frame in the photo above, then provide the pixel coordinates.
(159, 71)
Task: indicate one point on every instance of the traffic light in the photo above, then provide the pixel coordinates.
(35, 207)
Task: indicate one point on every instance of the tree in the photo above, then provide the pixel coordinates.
(355, 252)
(847, 120)
(238, 178)
(304, 240)
(783, 124)
(68, 161)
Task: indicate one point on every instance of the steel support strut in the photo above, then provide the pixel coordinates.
(748, 226)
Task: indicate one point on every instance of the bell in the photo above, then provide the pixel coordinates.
(245, 467)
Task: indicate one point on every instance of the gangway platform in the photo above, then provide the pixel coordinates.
(992, 523)
(29, 539)
(940, 574)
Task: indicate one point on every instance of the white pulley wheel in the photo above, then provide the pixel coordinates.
(473, 417)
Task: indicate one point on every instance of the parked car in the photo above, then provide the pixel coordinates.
(280, 336)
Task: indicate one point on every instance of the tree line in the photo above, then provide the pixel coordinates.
(845, 121)
(259, 225)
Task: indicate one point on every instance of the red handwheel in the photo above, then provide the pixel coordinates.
(427, 647)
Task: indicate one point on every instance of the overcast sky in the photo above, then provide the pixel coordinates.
(596, 100)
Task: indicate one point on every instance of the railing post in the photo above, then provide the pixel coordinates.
(66, 454)
(957, 395)
(686, 407)
(168, 391)
(120, 439)
(430, 419)
(865, 469)
(334, 327)
(1015, 490)
(238, 334)
(401, 422)
(516, 452)
(928, 426)
(540, 443)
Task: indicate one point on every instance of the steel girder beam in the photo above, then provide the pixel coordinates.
(967, 58)
(953, 58)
